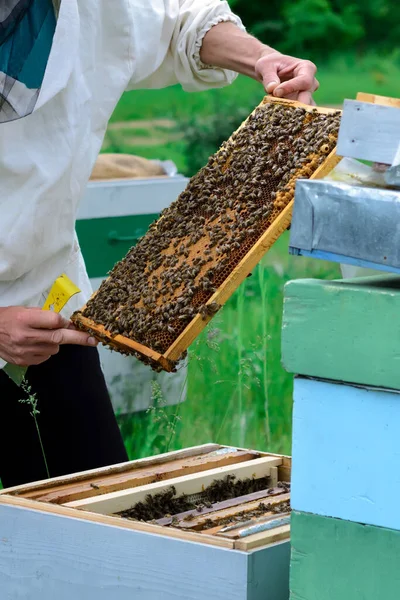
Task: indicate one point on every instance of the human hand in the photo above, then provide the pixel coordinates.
(286, 76)
(29, 336)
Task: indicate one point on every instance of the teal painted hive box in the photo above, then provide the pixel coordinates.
(65, 538)
(342, 340)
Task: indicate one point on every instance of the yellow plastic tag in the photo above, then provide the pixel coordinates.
(61, 291)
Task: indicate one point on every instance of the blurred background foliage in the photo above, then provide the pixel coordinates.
(320, 27)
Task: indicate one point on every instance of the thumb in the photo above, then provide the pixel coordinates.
(69, 336)
(267, 71)
(271, 82)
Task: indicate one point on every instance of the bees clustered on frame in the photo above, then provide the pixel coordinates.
(174, 270)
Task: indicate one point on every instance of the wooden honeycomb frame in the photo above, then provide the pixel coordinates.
(280, 221)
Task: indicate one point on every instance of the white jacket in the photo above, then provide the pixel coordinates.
(100, 49)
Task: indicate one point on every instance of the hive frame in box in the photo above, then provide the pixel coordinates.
(168, 359)
(94, 507)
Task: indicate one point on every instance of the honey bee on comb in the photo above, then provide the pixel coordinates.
(154, 300)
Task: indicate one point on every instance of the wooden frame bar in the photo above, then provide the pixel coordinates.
(29, 490)
(189, 484)
(215, 514)
(143, 476)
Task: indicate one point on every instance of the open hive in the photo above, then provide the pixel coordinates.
(229, 497)
(161, 295)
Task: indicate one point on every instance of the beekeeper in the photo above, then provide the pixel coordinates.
(63, 67)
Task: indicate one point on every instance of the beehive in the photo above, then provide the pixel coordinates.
(158, 299)
(83, 540)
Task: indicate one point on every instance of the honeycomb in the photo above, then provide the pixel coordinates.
(168, 278)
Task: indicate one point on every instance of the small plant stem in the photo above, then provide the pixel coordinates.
(41, 446)
(263, 289)
(240, 312)
(32, 400)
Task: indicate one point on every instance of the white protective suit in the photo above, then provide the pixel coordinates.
(100, 49)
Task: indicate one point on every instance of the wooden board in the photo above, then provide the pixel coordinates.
(376, 99)
(29, 489)
(266, 582)
(46, 555)
(142, 476)
(216, 514)
(348, 434)
(281, 220)
(263, 539)
(369, 131)
(266, 524)
(189, 484)
(340, 560)
(343, 330)
(112, 521)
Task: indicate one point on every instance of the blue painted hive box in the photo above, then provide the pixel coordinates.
(204, 522)
(342, 340)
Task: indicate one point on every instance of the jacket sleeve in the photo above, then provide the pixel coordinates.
(167, 38)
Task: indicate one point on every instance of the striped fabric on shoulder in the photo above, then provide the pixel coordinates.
(26, 34)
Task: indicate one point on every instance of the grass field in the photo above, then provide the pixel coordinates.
(237, 391)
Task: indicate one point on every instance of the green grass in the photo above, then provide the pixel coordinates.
(237, 390)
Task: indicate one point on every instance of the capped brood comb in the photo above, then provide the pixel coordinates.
(158, 299)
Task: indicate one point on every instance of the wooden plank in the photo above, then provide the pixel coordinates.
(47, 556)
(369, 131)
(119, 341)
(274, 476)
(343, 330)
(142, 476)
(189, 484)
(264, 525)
(347, 434)
(269, 572)
(334, 559)
(217, 506)
(263, 539)
(376, 99)
(148, 528)
(158, 459)
(216, 515)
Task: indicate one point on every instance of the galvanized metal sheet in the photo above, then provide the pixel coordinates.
(359, 222)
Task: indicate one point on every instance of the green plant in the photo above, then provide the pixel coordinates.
(32, 401)
(161, 415)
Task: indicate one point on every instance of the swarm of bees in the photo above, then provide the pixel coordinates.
(167, 503)
(172, 273)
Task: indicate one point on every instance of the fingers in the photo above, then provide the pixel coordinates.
(71, 336)
(306, 98)
(42, 319)
(303, 80)
(271, 82)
